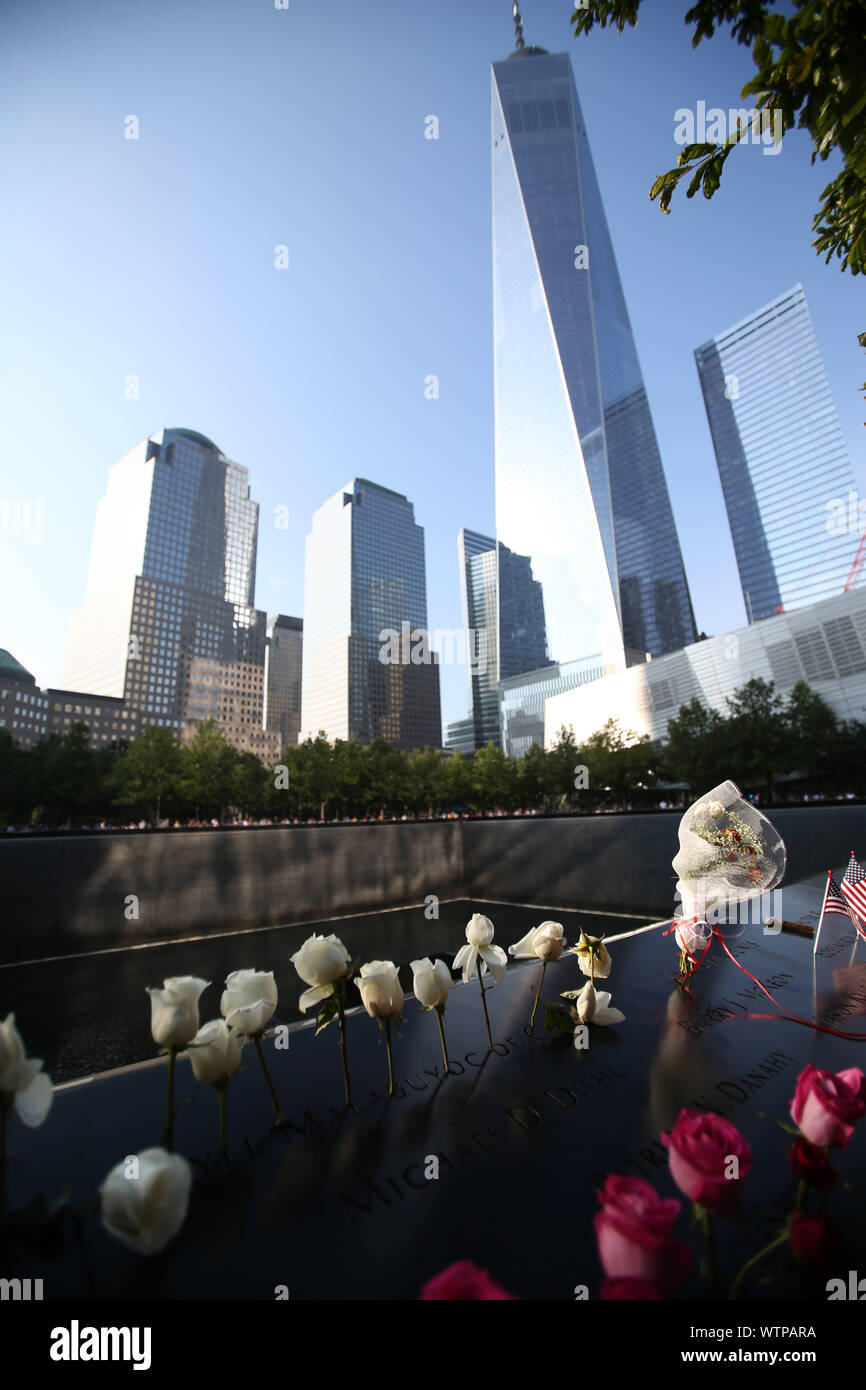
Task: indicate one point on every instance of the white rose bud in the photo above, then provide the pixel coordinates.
(546, 943)
(320, 961)
(145, 1199)
(586, 1003)
(22, 1079)
(248, 1001)
(174, 1010)
(215, 1053)
(715, 809)
(589, 947)
(479, 930)
(431, 982)
(692, 937)
(380, 989)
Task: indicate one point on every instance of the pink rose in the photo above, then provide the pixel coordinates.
(827, 1103)
(700, 1149)
(628, 1288)
(635, 1234)
(463, 1281)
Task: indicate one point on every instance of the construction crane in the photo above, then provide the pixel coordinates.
(856, 570)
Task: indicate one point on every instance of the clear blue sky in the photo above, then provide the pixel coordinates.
(305, 127)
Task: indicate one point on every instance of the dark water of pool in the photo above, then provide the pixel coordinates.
(89, 1013)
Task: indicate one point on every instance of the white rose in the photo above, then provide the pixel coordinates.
(380, 989)
(147, 1210)
(248, 1001)
(546, 943)
(174, 1010)
(479, 931)
(692, 937)
(22, 1079)
(215, 1053)
(593, 1006)
(320, 961)
(589, 947)
(715, 809)
(431, 982)
(479, 951)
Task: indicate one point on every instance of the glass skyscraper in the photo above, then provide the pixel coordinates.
(169, 621)
(782, 458)
(283, 669)
(368, 668)
(502, 601)
(580, 489)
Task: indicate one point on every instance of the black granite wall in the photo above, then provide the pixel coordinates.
(71, 893)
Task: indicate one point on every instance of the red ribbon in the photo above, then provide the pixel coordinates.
(788, 1014)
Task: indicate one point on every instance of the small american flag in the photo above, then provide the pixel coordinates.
(835, 902)
(854, 888)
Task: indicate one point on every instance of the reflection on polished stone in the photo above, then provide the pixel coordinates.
(498, 1162)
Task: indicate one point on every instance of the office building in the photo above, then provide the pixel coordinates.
(580, 488)
(368, 668)
(785, 471)
(823, 644)
(283, 670)
(169, 623)
(503, 610)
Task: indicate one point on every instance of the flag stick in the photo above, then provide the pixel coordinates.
(821, 918)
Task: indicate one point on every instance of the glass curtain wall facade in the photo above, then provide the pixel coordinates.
(283, 670)
(580, 489)
(169, 621)
(502, 601)
(368, 669)
(781, 456)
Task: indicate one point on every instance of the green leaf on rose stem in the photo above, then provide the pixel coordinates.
(782, 1124)
(326, 1013)
(558, 1019)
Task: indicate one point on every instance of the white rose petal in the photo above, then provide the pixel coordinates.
(320, 961)
(479, 930)
(380, 990)
(431, 982)
(147, 1210)
(22, 1078)
(215, 1053)
(174, 1010)
(249, 1001)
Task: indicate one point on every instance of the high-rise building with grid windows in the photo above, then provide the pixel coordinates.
(783, 464)
(503, 609)
(169, 622)
(580, 488)
(368, 669)
(283, 669)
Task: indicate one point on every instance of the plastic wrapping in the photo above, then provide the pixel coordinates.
(729, 852)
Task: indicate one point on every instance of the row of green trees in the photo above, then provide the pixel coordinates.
(761, 736)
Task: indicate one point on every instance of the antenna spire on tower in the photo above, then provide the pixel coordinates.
(518, 25)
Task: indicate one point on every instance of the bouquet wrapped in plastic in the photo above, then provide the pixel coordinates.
(729, 852)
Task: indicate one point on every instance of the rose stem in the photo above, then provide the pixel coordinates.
(387, 1023)
(780, 1240)
(439, 1011)
(3, 1108)
(276, 1104)
(169, 1118)
(537, 994)
(222, 1093)
(479, 964)
(342, 1012)
(711, 1247)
